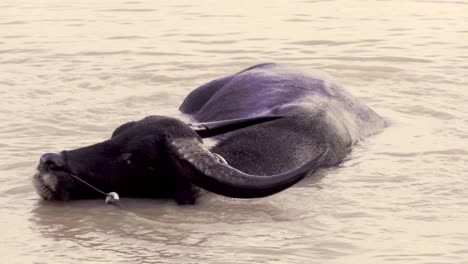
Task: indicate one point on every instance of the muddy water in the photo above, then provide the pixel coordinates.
(71, 71)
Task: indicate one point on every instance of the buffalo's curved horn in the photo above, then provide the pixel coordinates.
(202, 168)
(209, 129)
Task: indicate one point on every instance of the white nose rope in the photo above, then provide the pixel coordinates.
(111, 198)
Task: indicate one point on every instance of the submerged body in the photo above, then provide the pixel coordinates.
(164, 157)
(318, 114)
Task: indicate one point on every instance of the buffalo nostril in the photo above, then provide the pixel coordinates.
(52, 160)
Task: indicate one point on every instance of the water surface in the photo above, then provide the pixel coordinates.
(72, 71)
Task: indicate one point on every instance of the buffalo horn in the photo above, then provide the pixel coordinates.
(201, 167)
(209, 129)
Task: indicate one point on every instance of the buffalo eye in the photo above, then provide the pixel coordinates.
(136, 159)
(126, 157)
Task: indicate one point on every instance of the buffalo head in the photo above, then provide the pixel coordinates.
(156, 157)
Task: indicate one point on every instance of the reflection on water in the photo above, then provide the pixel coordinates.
(152, 229)
(72, 72)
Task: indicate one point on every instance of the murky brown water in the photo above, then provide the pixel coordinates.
(71, 71)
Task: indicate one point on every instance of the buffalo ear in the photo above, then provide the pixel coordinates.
(122, 128)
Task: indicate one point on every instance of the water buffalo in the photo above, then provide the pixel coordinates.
(273, 126)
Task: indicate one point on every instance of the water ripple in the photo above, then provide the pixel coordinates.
(380, 59)
(128, 10)
(127, 37)
(445, 152)
(73, 72)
